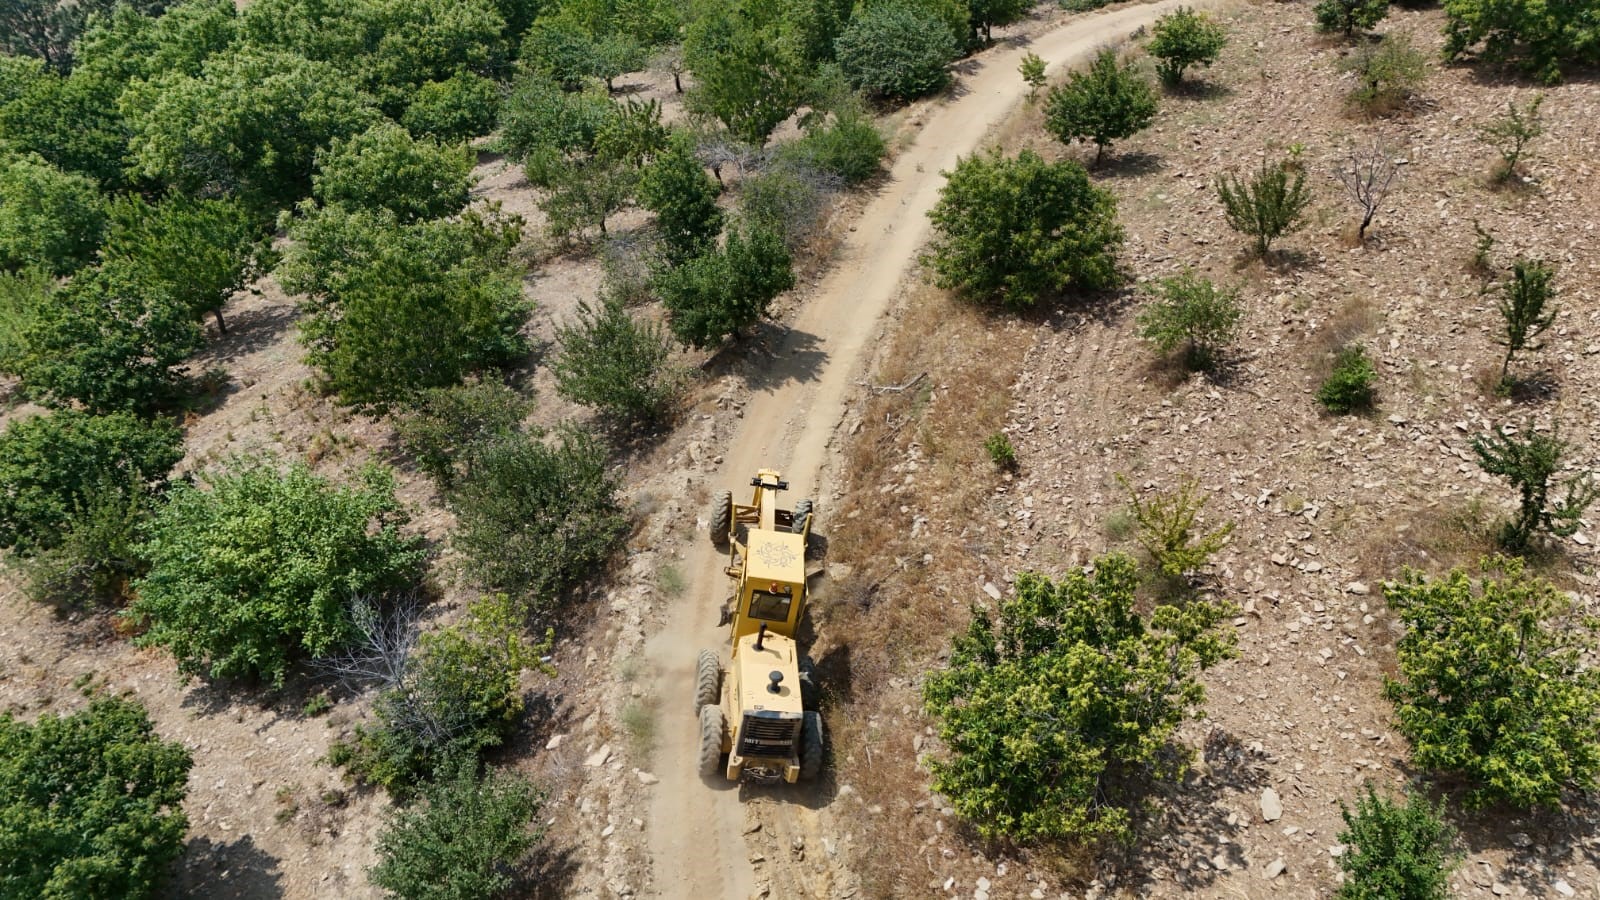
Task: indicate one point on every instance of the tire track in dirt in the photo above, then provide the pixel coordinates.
(696, 831)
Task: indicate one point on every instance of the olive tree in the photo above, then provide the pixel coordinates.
(724, 291)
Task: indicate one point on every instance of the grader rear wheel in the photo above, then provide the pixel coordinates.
(802, 517)
(721, 517)
(713, 724)
(810, 746)
(707, 679)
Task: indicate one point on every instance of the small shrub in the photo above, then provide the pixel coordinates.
(1184, 38)
(1347, 15)
(1367, 176)
(1193, 313)
(95, 556)
(896, 49)
(443, 428)
(616, 363)
(461, 107)
(1106, 103)
(1387, 74)
(726, 291)
(316, 705)
(1001, 453)
(788, 199)
(1349, 387)
(848, 146)
(1530, 464)
(1167, 528)
(1268, 206)
(22, 295)
(1395, 850)
(676, 188)
(1511, 134)
(1482, 260)
(1032, 69)
(1525, 309)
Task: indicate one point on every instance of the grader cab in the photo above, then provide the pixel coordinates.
(758, 718)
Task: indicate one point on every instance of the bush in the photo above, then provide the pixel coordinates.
(676, 188)
(22, 295)
(90, 804)
(1268, 206)
(1010, 231)
(1348, 15)
(1103, 104)
(1184, 38)
(465, 838)
(49, 219)
(1349, 387)
(1387, 73)
(199, 252)
(1001, 453)
(1192, 313)
(443, 428)
(1493, 684)
(1167, 525)
(261, 568)
(1054, 715)
(1395, 850)
(749, 72)
(1032, 69)
(787, 199)
(1523, 311)
(849, 146)
(1511, 134)
(613, 362)
(536, 517)
(384, 167)
(461, 107)
(1530, 463)
(896, 50)
(541, 125)
(1543, 39)
(725, 291)
(95, 556)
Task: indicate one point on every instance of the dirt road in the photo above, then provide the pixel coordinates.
(696, 831)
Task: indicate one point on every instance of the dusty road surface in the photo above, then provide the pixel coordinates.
(696, 831)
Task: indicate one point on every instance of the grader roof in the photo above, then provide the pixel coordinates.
(776, 556)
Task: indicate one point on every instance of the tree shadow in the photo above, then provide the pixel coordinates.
(548, 873)
(1199, 90)
(1531, 389)
(1537, 843)
(778, 355)
(238, 870)
(250, 331)
(1132, 164)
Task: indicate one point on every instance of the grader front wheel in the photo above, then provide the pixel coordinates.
(707, 680)
(721, 517)
(713, 724)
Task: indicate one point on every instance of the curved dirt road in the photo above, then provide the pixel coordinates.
(696, 831)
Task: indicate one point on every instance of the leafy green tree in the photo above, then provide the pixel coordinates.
(445, 426)
(91, 804)
(1010, 231)
(1184, 38)
(1397, 851)
(747, 74)
(1106, 103)
(1544, 39)
(726, 291)
(616, 363)
(1054, 714)
(585, 189)
(1348, 15)
(72, 122)
(463, 839)
(261, 568)
(1530, 463)
(49, 219)
(1032, 70)
(848, 146)
(1388, 73)
(1348, 388)
(47, 29)
(537, 517)
(542, 126)
(126, 45)
(22, 296)
(676, 188)
(896, 49)
(1511, 134)
(95, 557)
(54, 466)
(1493, 685)
(563, 51)
(199, 252)
(113, 339)
(384, 167)
(1525, 310)
(985, 14)
(459, 108)
(1268, 206)
(1193, 313)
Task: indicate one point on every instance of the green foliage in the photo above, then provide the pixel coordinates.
(130, 43)
(985, 14)
(445, 426)
(1493, 684)
(541, 125)
(95, 556)
(1525, 308)
(727, 290)
(1347, 15)
(49, 219)
(384, 167)
(47, 29)
(261, 569)
(684, 198)
(198, 252)
(1530, 463)
(787, 198)
(848, 146)
(584, 194)
(72, 122)
(1387, 73)
(1395, 851)
(55, 467)
(1011, 231)
(1184, 38)
(462, 840)
(747, 74)
(896, 50)
(1511, 134)
(1001, 453)
(1055, 715)
(90, 804)
(113, 339)
(1193, 313)
(1032, 69)
(22, 295)
(1167, 525)
(568, 53)
(1348, 387)
(1106, 103)
(537, 517)
(1268, 206)
(459, 108)
(617, 364)
(1542, 38)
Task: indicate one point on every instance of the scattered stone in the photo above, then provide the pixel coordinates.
(608, 831)
(1499, 889)
(983, 884)
(1271, 806)
(990, 589)
(648, 778)
(1563, 888)
(752, 828)
(554, 742)
(599, 757)
(1274, 869)
(1358, 587)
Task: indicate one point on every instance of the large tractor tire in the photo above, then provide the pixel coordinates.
(721, 517)
(707, 680)
(810, 696)
(713, 724)
(802, 517)
(810, 746)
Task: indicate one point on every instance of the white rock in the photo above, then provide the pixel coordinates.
(599, 757)
(554, 742)
(1358, 587)
(1563, 888)
(983, 884)
(990, 589)
(1274, 869)
(647, 778)
(1271, 806)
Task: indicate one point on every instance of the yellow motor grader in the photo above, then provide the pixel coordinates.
(758, 718)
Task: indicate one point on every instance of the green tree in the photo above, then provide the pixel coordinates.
(414, 42)
(985, 14)
(445, 426)
(563, 51)
(22, 296)
(261, 568)
(462, 840)
(1011, 231)
(747, 75)
(72, 122)
(1106, 103)
(90, 804)
(1268, 206)
(536, 517)
(459, 108)
(1387, 73)
(541, 125)
(1184, 38)
(585, 193)
(1055, 713)
(848, 146)
(1032, 69)
(1397, 851)
(1544, 39)
(1492, 683)
(198, 252)
(726, 291)
(54, 466)
(1167, 525)
(384, 167)
(49, 219)
(47, 29)
(676, 188)
(1193, 313)
(896, 49)
(1525, 310)
(1530, 463)
(1348, 15)
(616, 363)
